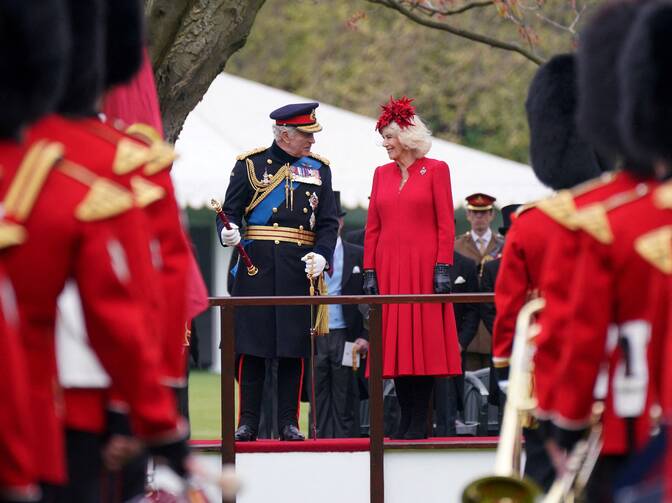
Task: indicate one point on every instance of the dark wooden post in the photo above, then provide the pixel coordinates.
(228, 364)
(376, 422)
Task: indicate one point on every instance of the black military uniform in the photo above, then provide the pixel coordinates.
(449, 391)
(286, 206)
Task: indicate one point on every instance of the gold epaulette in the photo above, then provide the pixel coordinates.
(323, 160)
(162, 156)
(146, 192)
(144, 132)
(593, 220)
(105, 198)
(525, 207)
(11, 234)
(561, 208)
(26, 185)
(656, 248)
(662, 196)
(625, 197)
(247, 154)
(593, 183)
(130, 155)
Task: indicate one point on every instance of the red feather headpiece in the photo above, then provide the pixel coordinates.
(400, 111)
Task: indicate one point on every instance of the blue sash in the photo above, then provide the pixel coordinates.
(261, 214)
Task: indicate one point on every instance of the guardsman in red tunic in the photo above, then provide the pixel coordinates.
(599, 104)
(645, 123)
(81, 220)
(134, 165)
(17, 463)
(610, 326)
(561, 160)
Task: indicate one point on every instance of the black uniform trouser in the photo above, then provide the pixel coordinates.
(446, 400)
(538, 465)
(600, 488)
(334, 388)
(251, 376)
(85, 465)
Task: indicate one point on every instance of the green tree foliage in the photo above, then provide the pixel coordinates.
(354, 55)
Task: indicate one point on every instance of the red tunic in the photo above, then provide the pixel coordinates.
(612, 304)
(73, 234)
(408, 231)
(17, 462)
(557, 278)
(518, 277)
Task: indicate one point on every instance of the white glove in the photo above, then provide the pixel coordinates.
(315, 264)
(231, 237)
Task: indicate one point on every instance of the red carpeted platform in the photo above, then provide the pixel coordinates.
(349, 444)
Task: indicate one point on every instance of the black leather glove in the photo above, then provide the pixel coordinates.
(370, 282)
(442, 282)
(174, 454)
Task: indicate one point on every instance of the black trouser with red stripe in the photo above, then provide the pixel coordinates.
(251, 375)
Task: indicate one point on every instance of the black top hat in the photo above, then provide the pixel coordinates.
(507, 213)
(339, 208)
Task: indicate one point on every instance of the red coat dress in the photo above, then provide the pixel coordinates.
(408, 231)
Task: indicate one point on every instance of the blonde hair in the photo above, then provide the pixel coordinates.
(416, 137)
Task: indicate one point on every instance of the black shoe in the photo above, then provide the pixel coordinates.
(291, 433)
(244, 433)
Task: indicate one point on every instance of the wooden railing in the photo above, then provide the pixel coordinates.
(227, 307)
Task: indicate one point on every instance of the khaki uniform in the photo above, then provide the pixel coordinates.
(477, 354)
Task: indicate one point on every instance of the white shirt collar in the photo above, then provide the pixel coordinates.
(487, 236)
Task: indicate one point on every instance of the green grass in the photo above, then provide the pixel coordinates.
(205, 406)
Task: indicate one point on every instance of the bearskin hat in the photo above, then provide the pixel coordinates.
(560, 157)
(125, 40)
(600, 47)
(85, 78)
(34, 51)
(646, 83)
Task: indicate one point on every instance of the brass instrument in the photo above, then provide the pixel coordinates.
(580, 463)
(507, 484)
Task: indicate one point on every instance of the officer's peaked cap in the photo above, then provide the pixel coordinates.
(601, 45)
(298, 115)
(560, 157)
(86, 74)
(646, 76)
(480, 202)
(125, 40)
(34, 52)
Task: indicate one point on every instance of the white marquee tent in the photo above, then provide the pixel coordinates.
(233, 118)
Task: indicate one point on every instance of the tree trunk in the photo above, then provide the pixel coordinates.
(190, 41)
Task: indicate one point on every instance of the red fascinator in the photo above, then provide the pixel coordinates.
(400, 111)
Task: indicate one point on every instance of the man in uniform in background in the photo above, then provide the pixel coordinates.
(481, 245)
(283, 198)
(336, 390)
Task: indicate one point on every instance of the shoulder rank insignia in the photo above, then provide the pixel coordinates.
(130, 155)
(161, 156)
(146, 192)
(662, 196)
(323, 160)
(247, 154)
(656, 248)
(104, 199)
(593, 220)
(525, 207)
(560, 208)
(30, 177)
(144, 132)
(11, 234)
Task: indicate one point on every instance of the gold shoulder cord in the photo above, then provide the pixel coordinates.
(261, 189)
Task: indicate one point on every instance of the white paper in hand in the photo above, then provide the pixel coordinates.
(347, 355)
